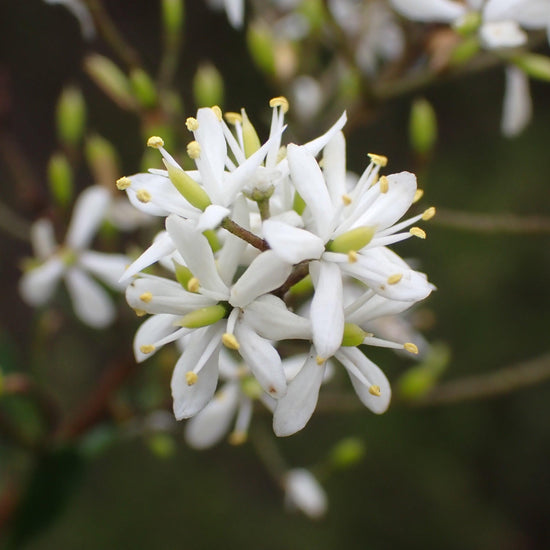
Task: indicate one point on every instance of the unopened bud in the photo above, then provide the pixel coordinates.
(143, 88)
(208, 86)
(188, 187)
(71, 116)
(60, 176)
(262, 47)
(173, 14)
(354, 239)
(422, 126)
(102, 159)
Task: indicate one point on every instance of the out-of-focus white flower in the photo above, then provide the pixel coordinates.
(73, 262)
(233, 8)
(81, 12)
(304, 492)
(517, 105)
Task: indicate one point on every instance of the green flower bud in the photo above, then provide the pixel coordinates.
(208, 86)
(60, 176)
(422, 126)
(347, 452)
(465, 50)
(188, 187)
(110, 79)
(534, 65)
(299, 204)
(354, 239)
(353, 335)
(261, 47)
(102, 159)
(173, 15)
(143, 88)
(469, 24)
(250, 137)
(71, 116)
(183, 274)
(202, 317)
(303, 287)
(212, 238)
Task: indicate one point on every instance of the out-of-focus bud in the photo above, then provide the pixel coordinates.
(161, 445)
(173, 15)
(304, 492)
(533, 64)
(420, 379)
(110, 79)
(208, 87)
(314, 11)
(102, 159)
(468, 24)
(60, 176)
(250, 136)
(350, 85)
(347, 453)
(261, 47)
(422, 126)
(464, 51)
(71, 116)
(143, 88)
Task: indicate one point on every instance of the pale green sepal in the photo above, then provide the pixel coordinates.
(354, 239)
(213, 240)
(202, 317)
(188, 187)
(183, 274)
(353, 335)
(251, 140)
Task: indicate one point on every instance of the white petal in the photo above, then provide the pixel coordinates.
(43, 238)
(294, 410)
(150, 331)
(262, 359)
(291, 244)
(89, 210)
(271, 319)
(304, 492)
(200, 354)
(266, 272)
(80, 11)
(429, 10)
(314, 146)
(37, 285)
(309, 182)
(327, 309)
(334, 167)
(235, 12)
(107, 267)
(502, 34)
(363, 374)
(517, 108)
(212, 217)
(91, 303)
(195, 250)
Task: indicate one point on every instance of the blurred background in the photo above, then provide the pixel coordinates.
(470, 474)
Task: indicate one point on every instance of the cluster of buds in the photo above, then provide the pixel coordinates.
(265, 244)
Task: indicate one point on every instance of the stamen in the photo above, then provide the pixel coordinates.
(418, 194)
(146, 297)
(410, 347)
(143, 195)
(140, 312)
(384, 184)
(233, 118)
(375, 390)
(155, 142)
(123, 183)
(217, 112)
(380, 160)
(194, 149)
(320, 360)
(192, 124)
(352, 256)
(346, 199)
(147, 348)
(417, 232)
(429, 213)
(229, 341)
(395, 278)
(193, 284)
(191, 378)
(279, 102)
(237, 438)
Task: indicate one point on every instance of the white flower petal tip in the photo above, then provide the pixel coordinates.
(291, 244)
(304, 492)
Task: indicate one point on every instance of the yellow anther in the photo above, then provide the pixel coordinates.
(380, 160)
(428, 213)
(417, 232)
(191, 377)
(384, 184)
(217, 112)
(233, 118)
(143, 195)
(123, 183)
(192, 124)
(237, 438)
(410, 347)
(194, 149)
(346, 199)
(147, 348)
(395, 278)
(279, 102)
(155, 142)
(320, 360)
(193, 284)
(375, 390)
(229, 341)
(146, 297)
(140, 312)
(352, 256)
(418, 194)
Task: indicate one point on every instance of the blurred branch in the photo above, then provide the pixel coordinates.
(492, 223)
(13, 224)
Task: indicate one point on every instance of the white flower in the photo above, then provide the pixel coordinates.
(233, 8)
(73, 262)
(81, 12)
(303, 491)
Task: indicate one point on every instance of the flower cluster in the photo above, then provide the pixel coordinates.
(247, 233)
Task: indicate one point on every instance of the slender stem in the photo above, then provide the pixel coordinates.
(298, 273)
(244, 234)
(263, 206)
(13, 224)
(492, 223)
(268, 452)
